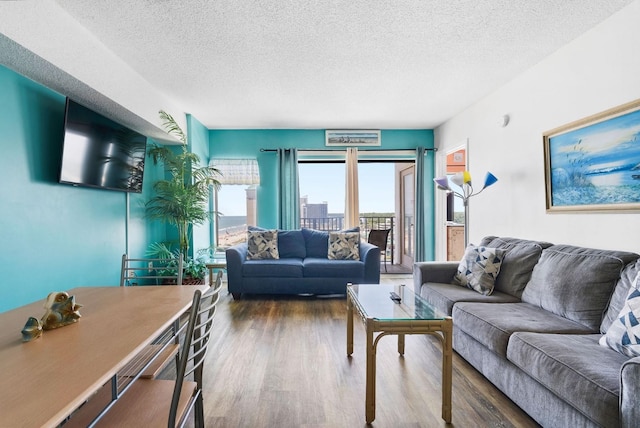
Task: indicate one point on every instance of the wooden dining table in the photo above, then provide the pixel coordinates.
(45, 380)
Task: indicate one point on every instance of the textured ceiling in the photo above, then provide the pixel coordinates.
(335, 63)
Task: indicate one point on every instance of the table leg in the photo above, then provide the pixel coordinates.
(401, 344)
(447, 362)
(370, 401)
(349, 326)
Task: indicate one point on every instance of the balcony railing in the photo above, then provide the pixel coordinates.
(366, 225)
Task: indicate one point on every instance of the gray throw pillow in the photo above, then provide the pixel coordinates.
(479, 268)
(262, 244)
(344, 246)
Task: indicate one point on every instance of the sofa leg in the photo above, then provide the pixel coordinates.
(236, 296)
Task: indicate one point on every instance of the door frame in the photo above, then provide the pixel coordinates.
(440, 198)
(406, 260)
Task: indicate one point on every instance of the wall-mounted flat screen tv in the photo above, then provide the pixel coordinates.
(98, 152)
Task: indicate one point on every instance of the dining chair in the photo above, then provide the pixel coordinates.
(151, 271)
(379, 237)
(158, 402)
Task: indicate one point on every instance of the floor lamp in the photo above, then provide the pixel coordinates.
(463, 179)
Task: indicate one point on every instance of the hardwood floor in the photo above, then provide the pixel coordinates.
(281, 362)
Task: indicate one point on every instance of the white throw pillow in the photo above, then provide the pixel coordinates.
(479, 268)
(624, 333)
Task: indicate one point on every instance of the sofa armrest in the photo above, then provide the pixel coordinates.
(433, 272)
(629, 393)
(236, 256)
(370, 254)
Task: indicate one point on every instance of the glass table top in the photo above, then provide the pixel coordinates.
(374, 301)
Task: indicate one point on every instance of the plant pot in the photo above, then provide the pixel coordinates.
(192, 281)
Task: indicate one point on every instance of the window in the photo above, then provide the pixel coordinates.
(321, 195)
(236, 210)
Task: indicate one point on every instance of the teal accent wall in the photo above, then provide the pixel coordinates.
(248, 144)
(54, 237)
(198, 139)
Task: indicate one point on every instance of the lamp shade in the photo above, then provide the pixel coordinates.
(489, 180)
(457, 179)
(442, 183)
(466, 177)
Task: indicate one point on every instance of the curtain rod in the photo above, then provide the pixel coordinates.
(435, 149)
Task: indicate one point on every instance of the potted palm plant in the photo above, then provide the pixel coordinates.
(182, 198)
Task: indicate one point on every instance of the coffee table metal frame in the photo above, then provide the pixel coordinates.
(441, 328)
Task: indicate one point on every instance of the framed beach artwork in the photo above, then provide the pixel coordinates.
(594, 164)
(352, 138)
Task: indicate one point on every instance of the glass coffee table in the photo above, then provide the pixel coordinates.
(411, 314)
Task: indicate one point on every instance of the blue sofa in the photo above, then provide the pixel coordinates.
(303, 267)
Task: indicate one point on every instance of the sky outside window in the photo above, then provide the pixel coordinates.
(325, 182)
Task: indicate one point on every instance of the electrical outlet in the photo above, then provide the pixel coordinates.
(131, 274)
(150, 266)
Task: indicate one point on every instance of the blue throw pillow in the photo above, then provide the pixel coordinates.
(291, 244)
(316, 242)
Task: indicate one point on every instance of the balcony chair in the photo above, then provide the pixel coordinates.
(379, 237)
(145, 271)
(155, 402)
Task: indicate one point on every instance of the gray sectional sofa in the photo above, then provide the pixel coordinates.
(536, 336)
(302, 267)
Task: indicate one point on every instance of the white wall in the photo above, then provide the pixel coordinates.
(595, 72)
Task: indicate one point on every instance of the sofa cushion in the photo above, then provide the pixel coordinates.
(262, 244)
(444, 296)
(492, 324)
(317, 241)
(479, 268)
(624, 333)
(576, 282)
(344, 246)
(270, 268)
(517, 264)
(575, 368)
(620, 293)
(324, 268)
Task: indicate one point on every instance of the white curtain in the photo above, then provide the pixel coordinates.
(351, 206)
(237, 171)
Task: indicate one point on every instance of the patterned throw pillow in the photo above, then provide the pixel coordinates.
(479, 268)
(624, 333)
(263, 244)
(344, 246)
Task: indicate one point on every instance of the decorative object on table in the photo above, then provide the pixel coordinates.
(32, 329)
(463, 181)
(593, 164)
(181, 200)
(61, 309)
(352, 138)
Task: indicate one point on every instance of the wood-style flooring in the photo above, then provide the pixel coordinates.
(281, 362)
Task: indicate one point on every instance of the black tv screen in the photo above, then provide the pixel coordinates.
(98, 152)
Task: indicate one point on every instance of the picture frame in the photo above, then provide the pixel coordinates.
(593, 164)
(350, 138)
